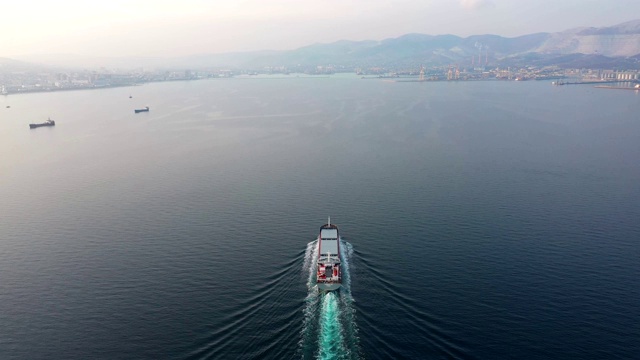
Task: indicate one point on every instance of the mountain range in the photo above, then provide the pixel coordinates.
(607, 47)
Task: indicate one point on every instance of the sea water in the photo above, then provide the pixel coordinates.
(486, 220)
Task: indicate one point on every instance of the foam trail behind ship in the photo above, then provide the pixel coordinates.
(329, 330)
(330, 343)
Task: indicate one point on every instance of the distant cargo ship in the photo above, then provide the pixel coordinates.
(49, 122)
(146, 108)
(329, 275)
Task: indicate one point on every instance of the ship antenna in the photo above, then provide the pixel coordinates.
(329, 221)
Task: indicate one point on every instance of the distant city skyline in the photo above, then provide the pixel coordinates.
(169, 28)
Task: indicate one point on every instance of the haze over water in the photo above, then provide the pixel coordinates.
(488, 220)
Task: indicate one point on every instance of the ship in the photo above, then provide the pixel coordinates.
(49, 122)
(146, 108)
(329, 275)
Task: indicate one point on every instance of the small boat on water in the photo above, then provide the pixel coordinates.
(49, 122)
(329, 274)
(146, 108)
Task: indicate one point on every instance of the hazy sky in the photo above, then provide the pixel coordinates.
(175, 28)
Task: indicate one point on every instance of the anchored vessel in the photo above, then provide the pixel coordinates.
(329, 273)
(146, 108)
(49, 122)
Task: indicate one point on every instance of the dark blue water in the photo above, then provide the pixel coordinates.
(486, 220)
